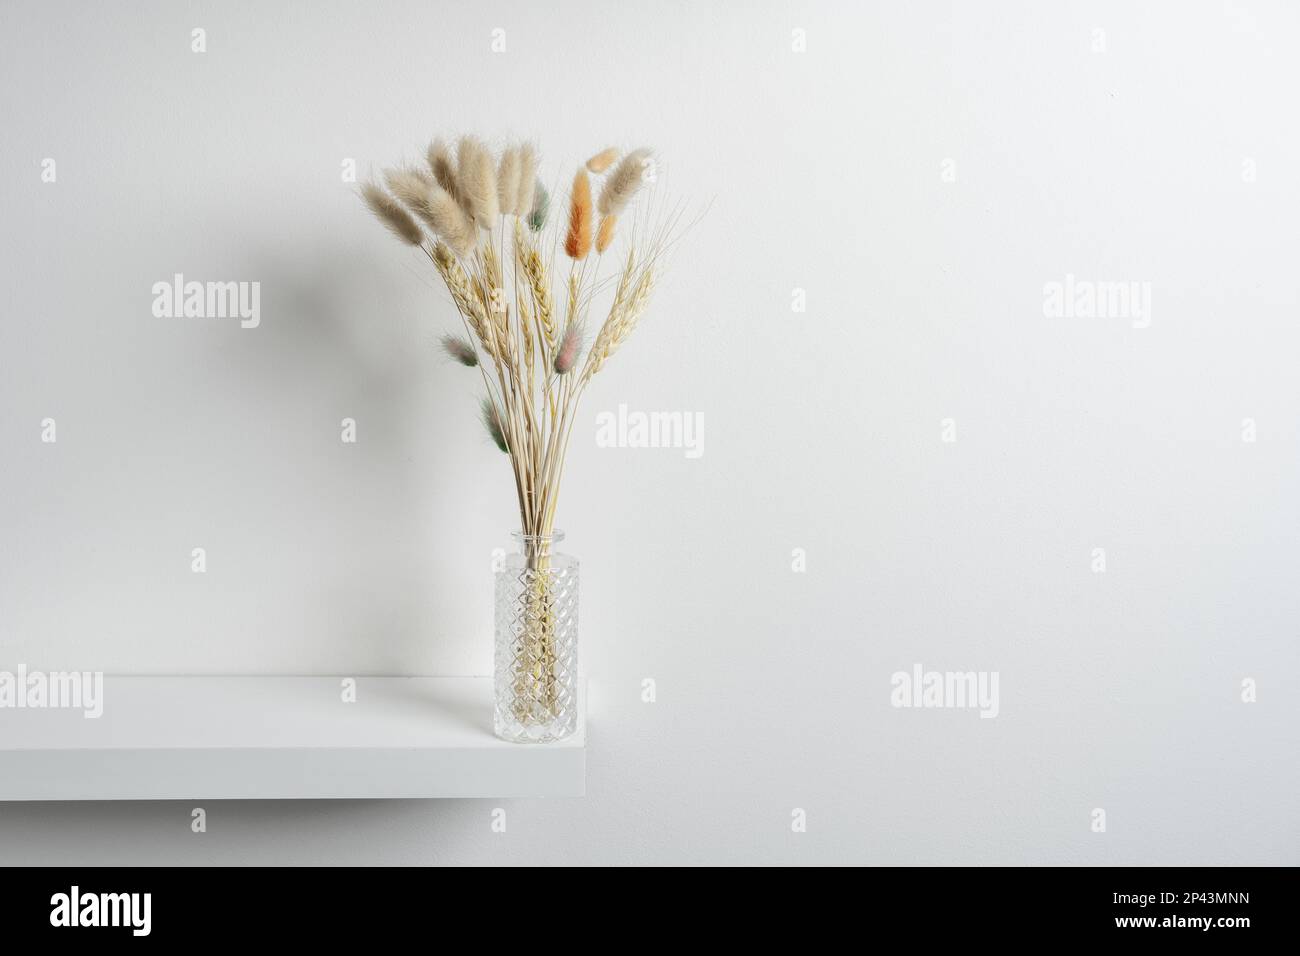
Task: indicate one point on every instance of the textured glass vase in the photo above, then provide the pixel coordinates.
(536, 672)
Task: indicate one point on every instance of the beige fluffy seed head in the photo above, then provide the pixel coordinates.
(476, 175)
(621, 185)
(606, 234)
(527, 179)
(434, 205)
(409, 186)
(450, 222)
(508, 182)
(602, 160)
(443, 167)
(392, 214)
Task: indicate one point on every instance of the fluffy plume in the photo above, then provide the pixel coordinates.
(409, 186)
(392, 215)
(449, 221)
(540, 209)
(411, 176)
(493, 425)
(444, 168)
(623, 182)
(602, 160)
(460, 349)
(578, 241)
(477, 179)
(434, 205)
(606, 234)
(527, 179)
(508, 181)
(566, 356)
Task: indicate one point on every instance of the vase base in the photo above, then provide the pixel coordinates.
(544, 734)
(533, 735)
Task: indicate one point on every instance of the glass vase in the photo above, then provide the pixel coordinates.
(536, 658)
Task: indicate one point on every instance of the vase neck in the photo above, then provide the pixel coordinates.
(537, 545)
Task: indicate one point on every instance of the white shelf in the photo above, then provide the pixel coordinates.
(270, 738)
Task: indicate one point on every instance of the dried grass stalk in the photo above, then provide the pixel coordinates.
(462, 293)
(529, 262)
(620, 323)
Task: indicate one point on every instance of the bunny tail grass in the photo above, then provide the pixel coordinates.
(566, 356)
(493, 425)
(459, 348)
(444, 168)
(540, 208)
(606, 234)
(527, 179)
(477, 178)
(508, 182)
(434, 205)
(578, 241)
(392, 215)
(602, 160)
(623, 182)
(411, 187)
(449, 221)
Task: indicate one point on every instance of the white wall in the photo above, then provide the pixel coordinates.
(925, 301)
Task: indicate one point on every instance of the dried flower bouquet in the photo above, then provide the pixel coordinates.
(482, 221)
(462, 212)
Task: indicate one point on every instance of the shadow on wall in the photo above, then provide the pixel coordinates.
(339, 388)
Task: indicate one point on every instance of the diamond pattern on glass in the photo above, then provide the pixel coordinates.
(536, 653)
